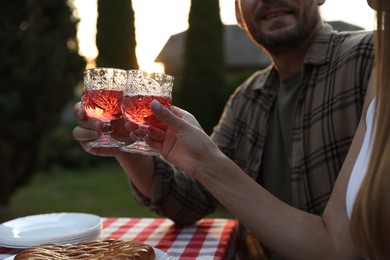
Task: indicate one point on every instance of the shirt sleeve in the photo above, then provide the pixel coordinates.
(224, 132)
(176, 195)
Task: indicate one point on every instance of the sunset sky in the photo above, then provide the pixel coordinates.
(157, 20)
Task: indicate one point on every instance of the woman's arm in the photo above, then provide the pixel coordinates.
(157, 184)
(292, 233)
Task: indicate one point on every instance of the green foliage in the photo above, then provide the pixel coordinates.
(39, 69)
(203, 89)
(80, 191)
(60, 150)
(115, 38)
(77, 191)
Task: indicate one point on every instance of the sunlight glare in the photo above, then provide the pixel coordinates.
(155, 25)
(86, 29)
(152, 67)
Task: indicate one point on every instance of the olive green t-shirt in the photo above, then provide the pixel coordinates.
(276, 166)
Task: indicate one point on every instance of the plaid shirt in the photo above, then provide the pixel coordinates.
(335, 74)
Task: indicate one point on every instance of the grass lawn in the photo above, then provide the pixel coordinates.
(103, 191)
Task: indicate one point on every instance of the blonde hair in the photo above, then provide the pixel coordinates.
(370, 221)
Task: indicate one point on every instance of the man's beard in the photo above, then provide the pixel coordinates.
(278, 44)
(288, 40)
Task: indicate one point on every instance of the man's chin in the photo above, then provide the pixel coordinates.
(278, 27)
(278, 42)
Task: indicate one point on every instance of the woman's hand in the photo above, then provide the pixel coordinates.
(181, 140)
(89, 129)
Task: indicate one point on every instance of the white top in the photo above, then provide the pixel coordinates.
(361, 164)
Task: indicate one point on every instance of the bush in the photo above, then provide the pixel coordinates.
(39, 67)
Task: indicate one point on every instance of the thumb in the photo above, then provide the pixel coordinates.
(165, 115)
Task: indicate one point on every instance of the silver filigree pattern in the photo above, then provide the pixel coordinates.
(140, 82)
(105, 78)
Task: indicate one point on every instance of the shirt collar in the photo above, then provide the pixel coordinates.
(318, 53)
(321, 47)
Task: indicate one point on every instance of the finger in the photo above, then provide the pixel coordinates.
(84, 134)
(84, 121)
(166, 116)
(130, 126)
(178, 111)
(119, 130)
(156, 133)
(185, 116)
(91, 124)
(79, 111)
(155, 144)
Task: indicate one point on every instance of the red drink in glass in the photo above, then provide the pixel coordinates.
(102, 98)
(103, 104)
(141, 89)
(137, 108)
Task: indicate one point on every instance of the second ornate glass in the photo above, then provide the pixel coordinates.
(141, 88)
(102, 95)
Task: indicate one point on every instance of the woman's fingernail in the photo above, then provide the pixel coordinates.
(156, 105)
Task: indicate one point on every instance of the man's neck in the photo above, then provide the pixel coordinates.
(291, 62)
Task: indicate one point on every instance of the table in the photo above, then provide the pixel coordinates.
(209, 238)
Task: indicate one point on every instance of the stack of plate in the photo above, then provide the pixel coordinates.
(53, 228)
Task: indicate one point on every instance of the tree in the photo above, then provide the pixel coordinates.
(39, 70)
(115, 38)
(202, 89)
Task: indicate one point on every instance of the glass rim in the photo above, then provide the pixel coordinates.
(161, 74)
(104, 68)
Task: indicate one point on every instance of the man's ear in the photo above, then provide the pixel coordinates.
(320, 2)
(372, 4)
(238, 14)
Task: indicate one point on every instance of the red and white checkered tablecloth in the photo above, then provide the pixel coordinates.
(209, 238)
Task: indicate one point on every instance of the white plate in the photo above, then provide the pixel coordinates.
(52, 228)
(160, 255)
(38, 243)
